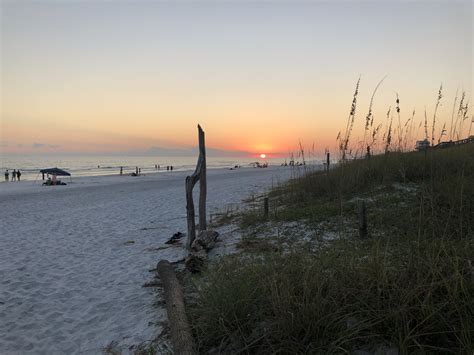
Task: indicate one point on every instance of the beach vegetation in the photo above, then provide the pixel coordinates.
(408, 287)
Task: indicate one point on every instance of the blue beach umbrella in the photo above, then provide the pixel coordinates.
(55, 171)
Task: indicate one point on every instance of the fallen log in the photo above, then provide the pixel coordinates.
(181, 336)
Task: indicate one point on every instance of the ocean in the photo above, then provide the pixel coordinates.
(90, 165)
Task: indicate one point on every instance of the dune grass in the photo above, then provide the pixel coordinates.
(416, 296)
(410, 285)
(435, 189)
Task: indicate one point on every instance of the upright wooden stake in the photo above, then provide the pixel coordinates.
(265, 207)
(203, 181)
(362, 220)
(199, 174)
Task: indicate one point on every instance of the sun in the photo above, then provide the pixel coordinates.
(263, 156)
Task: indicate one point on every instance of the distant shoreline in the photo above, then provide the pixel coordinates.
(110, 165)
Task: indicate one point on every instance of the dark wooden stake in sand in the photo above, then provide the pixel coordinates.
(181, 336)
(198, 175)
(265, 208)
(362, 219)
(328, 161)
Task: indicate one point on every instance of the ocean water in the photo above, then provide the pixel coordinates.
(110, 165)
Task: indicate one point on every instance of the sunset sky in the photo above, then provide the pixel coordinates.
(119, 76)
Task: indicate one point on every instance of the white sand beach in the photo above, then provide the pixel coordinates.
(73, 258)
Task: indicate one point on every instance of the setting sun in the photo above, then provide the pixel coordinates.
(263, 156)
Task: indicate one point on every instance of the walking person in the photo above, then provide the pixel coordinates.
(18, 175)
(14, 175)
(6, 175)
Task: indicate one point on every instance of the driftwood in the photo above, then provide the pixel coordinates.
(198, 246)
(202, 181)
(204, 242)
(199, 174)
(181, 336)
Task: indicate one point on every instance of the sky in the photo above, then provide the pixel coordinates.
(260, 77)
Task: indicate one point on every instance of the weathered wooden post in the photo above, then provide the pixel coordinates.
(265, 208)
(205, 240)
(202, 182)
(362, 219)
(328, 161)
(199, 174)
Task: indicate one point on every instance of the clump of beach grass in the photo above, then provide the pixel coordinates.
(345, 139)
(438, 102)
(415, 295)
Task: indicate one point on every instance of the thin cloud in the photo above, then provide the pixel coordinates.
(42, 145)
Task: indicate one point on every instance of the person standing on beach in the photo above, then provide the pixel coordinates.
(121, 170)
(18, 175)
(14, 175)
(136, 170)
(6, 175)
